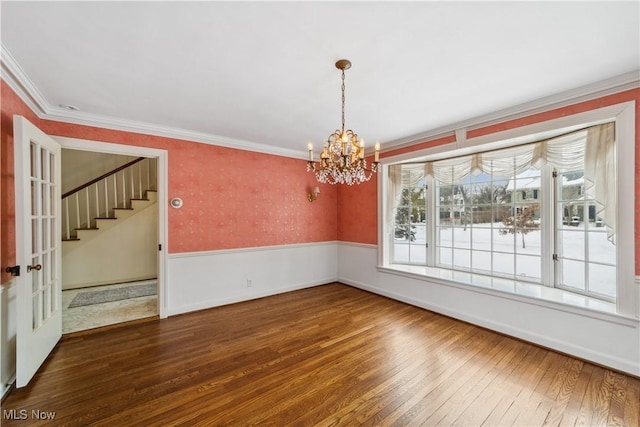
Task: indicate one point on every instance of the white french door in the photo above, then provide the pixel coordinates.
(38, 247)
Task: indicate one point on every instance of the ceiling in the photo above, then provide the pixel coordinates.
(261, 75)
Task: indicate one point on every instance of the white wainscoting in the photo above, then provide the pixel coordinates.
(7, 336)
(600, 339)
(200, 280)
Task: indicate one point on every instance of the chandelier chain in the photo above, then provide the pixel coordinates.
(342, 101)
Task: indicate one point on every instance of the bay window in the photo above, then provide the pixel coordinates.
(544, 212)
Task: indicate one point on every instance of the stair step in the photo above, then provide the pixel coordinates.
(126, 212)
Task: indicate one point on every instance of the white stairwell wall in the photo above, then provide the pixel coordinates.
(109, 228)
(122, 250)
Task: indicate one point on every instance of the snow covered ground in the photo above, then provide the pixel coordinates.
(473, 250)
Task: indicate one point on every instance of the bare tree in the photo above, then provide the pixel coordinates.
(522, 222)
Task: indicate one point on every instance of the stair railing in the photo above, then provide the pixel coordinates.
(100, 197)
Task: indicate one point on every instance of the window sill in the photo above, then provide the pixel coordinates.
(530, 293)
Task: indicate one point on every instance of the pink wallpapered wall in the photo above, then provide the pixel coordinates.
(238, 199)
(357, 206)
(232, 198)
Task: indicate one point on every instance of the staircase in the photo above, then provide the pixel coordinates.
(101, 202)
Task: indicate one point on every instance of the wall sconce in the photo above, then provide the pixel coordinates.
(313, 195)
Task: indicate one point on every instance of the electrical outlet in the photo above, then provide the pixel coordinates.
(249, 283)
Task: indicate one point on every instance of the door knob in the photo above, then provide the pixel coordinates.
(36, 267)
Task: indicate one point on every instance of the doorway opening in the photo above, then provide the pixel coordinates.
(109, 239)
(117, 274)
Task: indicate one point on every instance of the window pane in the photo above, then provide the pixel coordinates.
(481, 261)
(602, 279)
(418, 254)
(461, 258)
(528, 266)
(573, 274)
(462, 237)
(601, 249)
(445, 236)
(481, 214)
(572, 244)
(445, 256)
(400, 253)
(503, 263)
(481, 238)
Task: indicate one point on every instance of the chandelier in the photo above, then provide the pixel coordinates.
(342, 159)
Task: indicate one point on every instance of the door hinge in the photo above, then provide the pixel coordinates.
(554, 174)
(160, 247)
(14, 270)
(555, 257)
(426, 245)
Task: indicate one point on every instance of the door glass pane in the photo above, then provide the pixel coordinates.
(52, 168)
(46, 303)
(35, 248)
(53, 267)
(45, 234)
(52, 200)
(35, 311)
(36, 277)
(34, 198)
(33, 154)
(44, 197)
(44, 162)
(52, 233)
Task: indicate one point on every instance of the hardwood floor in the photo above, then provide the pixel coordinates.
(330, 355)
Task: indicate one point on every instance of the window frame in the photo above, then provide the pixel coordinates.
(623, 115)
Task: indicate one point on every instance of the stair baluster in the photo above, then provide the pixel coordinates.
(123, 184)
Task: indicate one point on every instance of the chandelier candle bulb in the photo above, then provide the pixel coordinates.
(376, 154)
(361, 153)
(310, 146)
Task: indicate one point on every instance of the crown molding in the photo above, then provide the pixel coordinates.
(588, 92)
(21, 84)
(19, 81)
